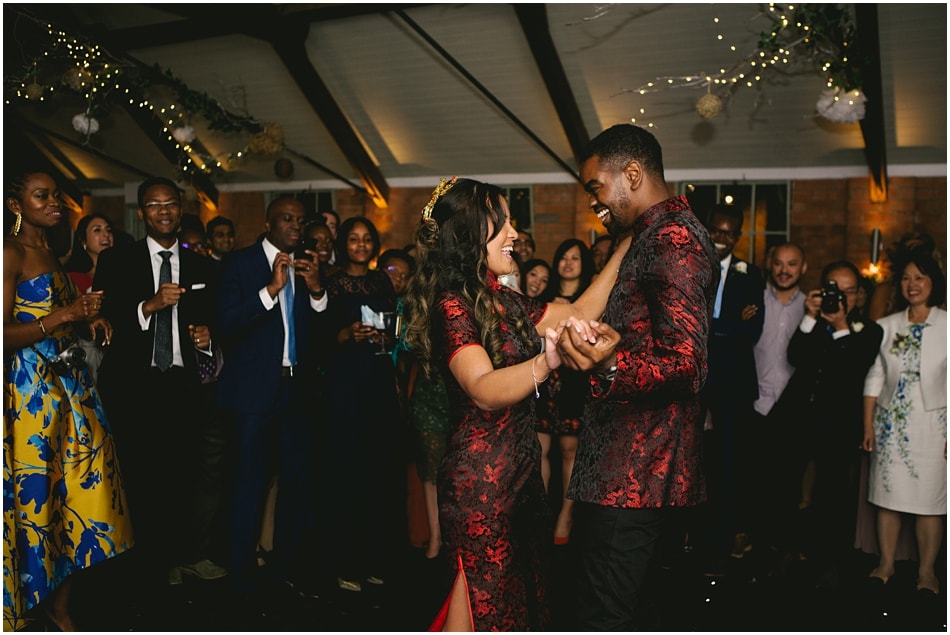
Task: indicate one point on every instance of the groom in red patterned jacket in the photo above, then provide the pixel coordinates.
(639, 452)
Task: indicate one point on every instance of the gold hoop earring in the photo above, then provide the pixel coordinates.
(16, 225)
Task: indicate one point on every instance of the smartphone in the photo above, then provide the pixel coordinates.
(304, 244)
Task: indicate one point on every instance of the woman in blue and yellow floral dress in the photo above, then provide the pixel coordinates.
(64, 507)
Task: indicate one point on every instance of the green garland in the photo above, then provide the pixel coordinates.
(49, 55)
(825, 34)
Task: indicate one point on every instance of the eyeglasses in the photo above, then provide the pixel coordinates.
(519, 242)
(395, 273)
(155, 206)
(193, 246)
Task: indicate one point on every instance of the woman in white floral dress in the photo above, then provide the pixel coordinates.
(905, 420)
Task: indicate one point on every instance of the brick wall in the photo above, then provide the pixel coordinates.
(832, 219)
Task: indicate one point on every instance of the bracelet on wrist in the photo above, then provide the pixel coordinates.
(611, 373)
(537, 393)
(39, 323)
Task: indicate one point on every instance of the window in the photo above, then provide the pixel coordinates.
(314, 201)
(764, 207)
(519, 202)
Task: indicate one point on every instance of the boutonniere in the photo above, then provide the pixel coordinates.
(740, 267)
(857, 327)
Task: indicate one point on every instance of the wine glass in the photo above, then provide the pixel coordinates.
(388, 318)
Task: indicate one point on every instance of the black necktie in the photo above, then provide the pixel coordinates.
(163, 319)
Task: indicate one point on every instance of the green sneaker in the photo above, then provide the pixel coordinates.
(204, 569)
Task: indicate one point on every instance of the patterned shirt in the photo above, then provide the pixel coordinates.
(640, 446)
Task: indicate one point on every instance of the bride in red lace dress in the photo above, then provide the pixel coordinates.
(486, 340)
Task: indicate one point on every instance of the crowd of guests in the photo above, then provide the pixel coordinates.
(237, 411)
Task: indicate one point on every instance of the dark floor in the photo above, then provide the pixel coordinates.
(755, 594)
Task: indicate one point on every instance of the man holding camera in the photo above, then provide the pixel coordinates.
(267, 311)
(821, 411)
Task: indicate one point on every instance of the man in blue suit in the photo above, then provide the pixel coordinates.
(267, 310)
(732, 385)
(160, 301)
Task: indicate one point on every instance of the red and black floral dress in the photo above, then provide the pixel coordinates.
(495, 520)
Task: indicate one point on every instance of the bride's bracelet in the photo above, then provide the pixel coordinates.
(537, 393)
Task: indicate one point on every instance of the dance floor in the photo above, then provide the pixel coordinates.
(757, 593)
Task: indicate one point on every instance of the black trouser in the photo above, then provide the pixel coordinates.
(172, 453)
(618, 555)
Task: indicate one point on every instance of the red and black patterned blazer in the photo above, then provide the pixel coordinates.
(640, 444)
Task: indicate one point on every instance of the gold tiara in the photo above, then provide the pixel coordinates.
(444, 186)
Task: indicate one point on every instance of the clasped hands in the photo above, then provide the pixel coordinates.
(583, 345)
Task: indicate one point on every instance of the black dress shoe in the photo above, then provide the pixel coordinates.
(303, 589)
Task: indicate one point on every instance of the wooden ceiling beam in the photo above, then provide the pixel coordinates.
(534, 23)
(85, 148)
(153, 127)
(487, 93)
(872, 126)
(150, 123)
(43, 143)
(29, 155)
(292, 50)
(287, 34)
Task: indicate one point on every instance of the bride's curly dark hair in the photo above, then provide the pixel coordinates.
(452, 257)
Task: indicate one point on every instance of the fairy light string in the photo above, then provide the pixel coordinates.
(799, 39)
(79, 64)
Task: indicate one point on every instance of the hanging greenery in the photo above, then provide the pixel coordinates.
(824, 35)
(198, 103)
(80, 65)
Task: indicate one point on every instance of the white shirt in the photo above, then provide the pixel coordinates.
(153, 252)
(270, 252)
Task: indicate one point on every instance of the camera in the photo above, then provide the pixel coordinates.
(72, 357)
(304, 244)
(832, 299)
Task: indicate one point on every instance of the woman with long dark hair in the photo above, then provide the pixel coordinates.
(93, 235)
(571, 275)
(363, 432)
(485, 340)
